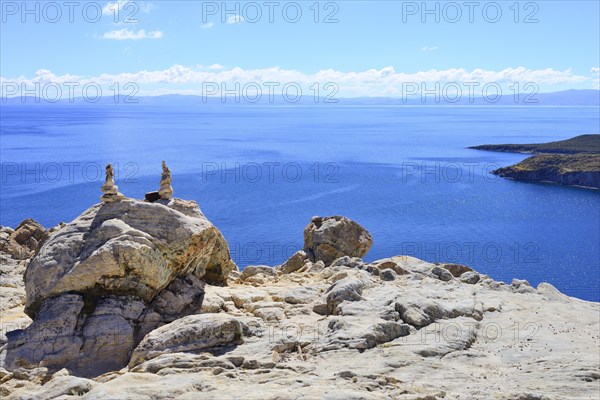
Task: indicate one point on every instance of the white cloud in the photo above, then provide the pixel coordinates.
(373, 82)
(235, 19)
(427, 48)
(126, 34)
(114, 7)
(207, 25)
(596, 79)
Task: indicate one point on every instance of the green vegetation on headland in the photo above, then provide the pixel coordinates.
(574, 162)
(589, 144)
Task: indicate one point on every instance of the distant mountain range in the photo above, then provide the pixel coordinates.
(584, 97)
(572, 97)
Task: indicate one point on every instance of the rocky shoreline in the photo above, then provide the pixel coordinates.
(572, 162)
(561, 169)
(140, 300)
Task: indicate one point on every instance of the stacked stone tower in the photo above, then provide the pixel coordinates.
(165, 191)
(110, 190)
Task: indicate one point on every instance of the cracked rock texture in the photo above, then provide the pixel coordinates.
(328, 238)
(98, 285)
(342, 330)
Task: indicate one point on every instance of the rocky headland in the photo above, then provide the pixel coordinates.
(572, 162)
(140, 300)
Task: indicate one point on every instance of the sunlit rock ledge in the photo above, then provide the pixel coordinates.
(140, 300)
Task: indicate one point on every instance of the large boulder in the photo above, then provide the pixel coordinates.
(115, 273)
(21, 242)
(329, 238)
(128, 248)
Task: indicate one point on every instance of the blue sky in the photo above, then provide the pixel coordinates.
(367, 47)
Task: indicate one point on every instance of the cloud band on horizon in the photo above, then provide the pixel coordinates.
(179, 79)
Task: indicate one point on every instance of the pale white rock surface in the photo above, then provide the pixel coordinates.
(99, 284)
(342, 332)
(189, 334)
(294, 263)
(128, 247)
(16, 248)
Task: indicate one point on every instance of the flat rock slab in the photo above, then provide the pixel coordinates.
(192, 333)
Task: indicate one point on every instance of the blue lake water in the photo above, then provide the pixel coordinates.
(260, 173)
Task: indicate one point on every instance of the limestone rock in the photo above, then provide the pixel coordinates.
(337, 332)
(389, 264)
(49, 339)
(521, 286)
(346, 289)
(387, 274)
(192, 333)
(21, 242)
(517, 283)
(63, 386)
(410, 338)
(212, 303)
(470, 277)
(546, 289)
(314, 268)
(442, 273)
(456, 269)
(300, 295)
(422, 310)
(350, 262)
(5, 232)
(128, 248)
(112, 275)
(252, 270)
(12, 286)
(183, 296)
(353, 333)
(328, 238)
(64, 334)
(38, 375)
(248, 295)
(294, 263)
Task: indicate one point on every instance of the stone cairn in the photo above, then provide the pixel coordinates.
(110, 190)
(165, 191)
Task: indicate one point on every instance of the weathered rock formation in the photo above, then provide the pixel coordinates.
(103, 281)
(396, 328)
(572, 170)
(22, 242)
(329, 238)
(189, 334)
(16, 247)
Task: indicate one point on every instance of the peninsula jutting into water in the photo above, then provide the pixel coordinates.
(573, 162)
